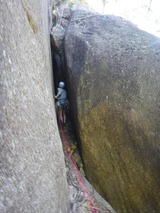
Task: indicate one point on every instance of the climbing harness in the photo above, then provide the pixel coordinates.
(75, 168)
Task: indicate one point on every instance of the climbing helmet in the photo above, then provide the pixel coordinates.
(61, 84)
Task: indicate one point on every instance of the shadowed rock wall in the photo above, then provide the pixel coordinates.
(33, 175)
(113, 72)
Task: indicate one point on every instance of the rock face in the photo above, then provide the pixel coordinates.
(57, 36)
(113, 72)
(33, 177)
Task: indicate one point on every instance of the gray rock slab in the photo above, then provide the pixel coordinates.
(33, 175)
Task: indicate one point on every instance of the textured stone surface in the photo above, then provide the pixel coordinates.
(33, 177)
(57, 37)
(81, 192)
(113, 72)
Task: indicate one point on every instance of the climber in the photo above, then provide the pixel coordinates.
(62, 102)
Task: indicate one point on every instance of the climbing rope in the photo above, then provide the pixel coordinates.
(74, 166)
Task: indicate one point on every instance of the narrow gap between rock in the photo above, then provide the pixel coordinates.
(59, 75)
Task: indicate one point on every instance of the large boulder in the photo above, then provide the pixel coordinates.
(113, 74)
(33, 174)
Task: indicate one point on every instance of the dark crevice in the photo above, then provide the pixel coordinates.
(58, 67)
(60, 75)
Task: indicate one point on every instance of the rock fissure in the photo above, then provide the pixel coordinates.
(112, 73)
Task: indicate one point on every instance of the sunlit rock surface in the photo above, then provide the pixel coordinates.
(113, 72)
(33, 175)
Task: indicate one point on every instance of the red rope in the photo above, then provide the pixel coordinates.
(77, 172)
